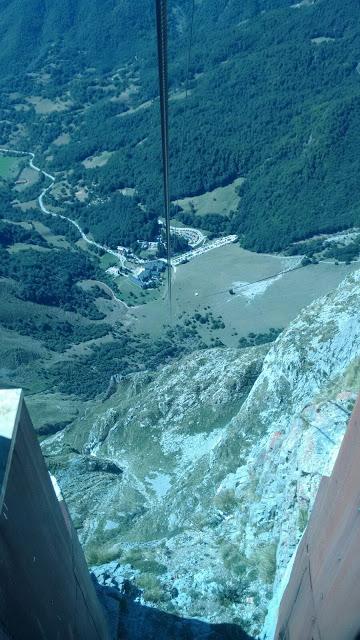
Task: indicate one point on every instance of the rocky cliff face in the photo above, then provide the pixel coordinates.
(195, 483)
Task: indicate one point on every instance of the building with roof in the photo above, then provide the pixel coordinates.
(150, 274)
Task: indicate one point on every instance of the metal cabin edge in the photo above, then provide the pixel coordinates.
(46, 591)
(322, 598)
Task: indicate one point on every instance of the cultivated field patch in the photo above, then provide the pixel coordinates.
(221, 200)
(97, 161)
(44, 106)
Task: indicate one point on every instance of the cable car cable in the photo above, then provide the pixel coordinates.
(162, 45)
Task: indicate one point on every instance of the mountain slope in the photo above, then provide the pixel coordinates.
(199, 489)
(95, 32)
(274, 98)
(92, 32)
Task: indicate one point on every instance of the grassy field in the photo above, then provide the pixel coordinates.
(134, 295)
(97, 161)
(44, 106)
(56, 241)
(62, 139)
(29, 176)
(272, 303)
(108, 260)
(20, 246)
(221, 200)
(9, 167)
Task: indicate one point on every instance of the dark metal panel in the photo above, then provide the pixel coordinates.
(45, 588)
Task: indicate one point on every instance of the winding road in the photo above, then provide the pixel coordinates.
(59, 215)
(198, 237)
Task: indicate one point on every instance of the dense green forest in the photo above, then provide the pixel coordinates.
(57, 336)
(99, 33)
(10, 234)
(275, 99)
(118, 221)
(51, 278)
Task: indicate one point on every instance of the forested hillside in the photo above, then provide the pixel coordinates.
(81, 32)
(274, 98)
(100, 32)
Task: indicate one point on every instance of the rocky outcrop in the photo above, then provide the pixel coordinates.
(222, 454)
(94, 464)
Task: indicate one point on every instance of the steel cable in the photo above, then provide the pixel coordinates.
(161, 26)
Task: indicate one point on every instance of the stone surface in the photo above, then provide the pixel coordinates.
(222, 453)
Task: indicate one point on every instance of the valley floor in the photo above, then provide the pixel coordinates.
(254, 306)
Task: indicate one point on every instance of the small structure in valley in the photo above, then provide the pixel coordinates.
(150, 275)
